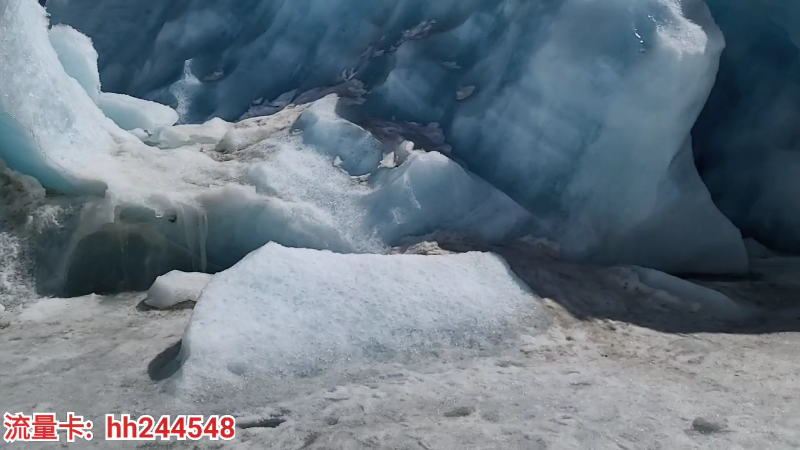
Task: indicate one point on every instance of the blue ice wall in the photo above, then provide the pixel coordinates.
(580, 110)
(747, 141)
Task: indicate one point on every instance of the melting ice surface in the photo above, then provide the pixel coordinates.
(578, 110)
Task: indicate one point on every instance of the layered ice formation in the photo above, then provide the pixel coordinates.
(287, 312)
(578, 110)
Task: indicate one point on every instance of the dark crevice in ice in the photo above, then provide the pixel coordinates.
(747, 140)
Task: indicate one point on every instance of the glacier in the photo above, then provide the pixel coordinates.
(551, 102)
(223, 126)
(381, 223)
(129, 207)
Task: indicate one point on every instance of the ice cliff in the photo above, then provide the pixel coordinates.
(580, 111)
(573, 120)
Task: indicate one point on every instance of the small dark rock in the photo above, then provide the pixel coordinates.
(505, 364)
(309, 440)
(267, 422)
(707, 426)
(490, 416)
(187, 304)
(461, 411)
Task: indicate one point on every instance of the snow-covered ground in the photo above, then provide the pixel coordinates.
(617, 368)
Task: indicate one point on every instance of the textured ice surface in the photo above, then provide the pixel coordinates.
(579, 110)
(49, 126)
(52, 129)
(131, 113)
(210, 132)
(15, 286)
(284, 311)
(420, 194)
(747, 137)
(78, 56)
(297, 192)
(176, 287)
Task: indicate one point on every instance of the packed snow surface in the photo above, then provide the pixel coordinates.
(284, 312)
(581, 384)
(579, 110)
